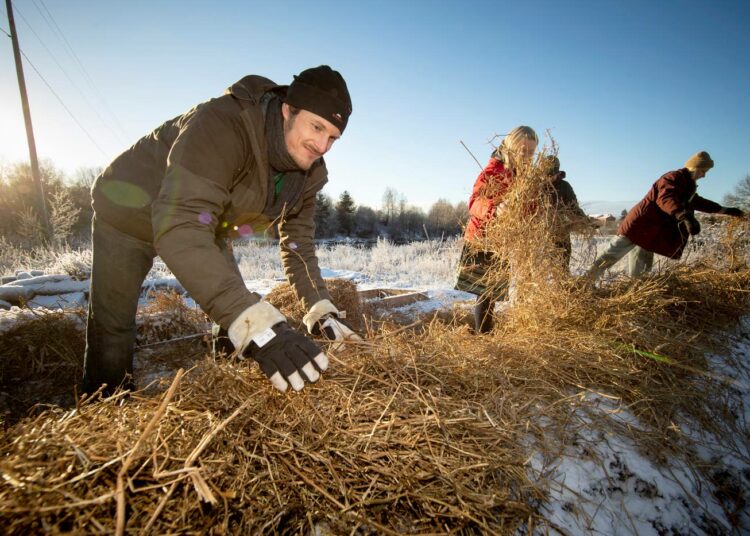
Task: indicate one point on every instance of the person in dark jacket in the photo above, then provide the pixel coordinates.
(567, 215)
(229, 167)
(663, 220)
(485, 201)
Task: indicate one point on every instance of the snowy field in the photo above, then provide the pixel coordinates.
(601, 483)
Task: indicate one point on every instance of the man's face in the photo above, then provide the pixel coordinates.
(699, 173)
(307, 135)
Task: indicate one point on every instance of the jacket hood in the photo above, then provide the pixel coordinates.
(252, 87)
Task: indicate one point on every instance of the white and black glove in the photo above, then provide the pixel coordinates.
(324, 320)
(284, 354)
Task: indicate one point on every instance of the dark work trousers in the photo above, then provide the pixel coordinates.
(483, 310)
(120, 264)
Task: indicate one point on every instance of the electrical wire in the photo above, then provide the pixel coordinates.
(72, 53)
(81, 93)
(71, 114)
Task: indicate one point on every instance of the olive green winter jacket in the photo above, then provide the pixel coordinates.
(202, 177)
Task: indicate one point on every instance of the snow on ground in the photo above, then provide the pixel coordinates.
(601, 484)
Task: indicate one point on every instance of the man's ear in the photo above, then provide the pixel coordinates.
(285, 111)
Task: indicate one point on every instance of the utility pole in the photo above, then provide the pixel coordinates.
(35, 174)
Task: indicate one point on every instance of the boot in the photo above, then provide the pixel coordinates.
(483, 319)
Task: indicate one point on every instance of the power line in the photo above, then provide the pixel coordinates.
(71, 52)
(63, 104)
(54, 58)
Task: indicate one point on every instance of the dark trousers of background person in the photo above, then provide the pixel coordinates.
(472, 277)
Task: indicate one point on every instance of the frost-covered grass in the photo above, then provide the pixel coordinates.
(59, 259)
(423, 265)
(428, 264)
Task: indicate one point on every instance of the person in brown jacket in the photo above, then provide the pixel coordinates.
(663, 220)
(229, 167)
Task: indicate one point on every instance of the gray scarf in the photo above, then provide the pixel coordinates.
(278, 155)
(281, 163)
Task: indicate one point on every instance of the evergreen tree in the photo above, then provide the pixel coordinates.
(345, 208)
(323, 212)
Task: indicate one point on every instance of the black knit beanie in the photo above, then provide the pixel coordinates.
(322, 91)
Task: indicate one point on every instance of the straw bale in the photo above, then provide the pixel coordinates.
(426, 430)
(40, 359)
(41, 353)
(343, 295)
(167, 316)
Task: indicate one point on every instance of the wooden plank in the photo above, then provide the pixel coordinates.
(403, 299)
(382, 293)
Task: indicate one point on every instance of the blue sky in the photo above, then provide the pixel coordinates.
(628, 89)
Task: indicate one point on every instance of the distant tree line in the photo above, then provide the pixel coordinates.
(69, 208)
(395, 218)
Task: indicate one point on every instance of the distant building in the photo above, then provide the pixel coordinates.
(607, 223)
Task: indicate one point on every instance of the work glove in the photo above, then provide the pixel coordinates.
(285, 355)
(732, 211)
(324, 320)
(687, 220)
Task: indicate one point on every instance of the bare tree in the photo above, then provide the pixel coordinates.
(389, 205)
(461, 214)
(441, 217)
(85, 176)
(740, 197)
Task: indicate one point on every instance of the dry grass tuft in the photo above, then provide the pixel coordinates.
(343, 295)
(407, 433)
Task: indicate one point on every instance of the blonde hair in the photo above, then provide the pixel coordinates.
(512, 139)
(700, 160)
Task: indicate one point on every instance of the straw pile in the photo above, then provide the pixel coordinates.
(343, 295)
(398, 438)
(427, 431)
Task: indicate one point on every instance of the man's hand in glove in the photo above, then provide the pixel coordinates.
(285, 355)
(732, 211)
(324, 320)
(692, 226)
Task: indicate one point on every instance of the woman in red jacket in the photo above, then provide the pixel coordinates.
(663, 221)
(485, 201)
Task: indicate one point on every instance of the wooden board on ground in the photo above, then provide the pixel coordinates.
(392, 297)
